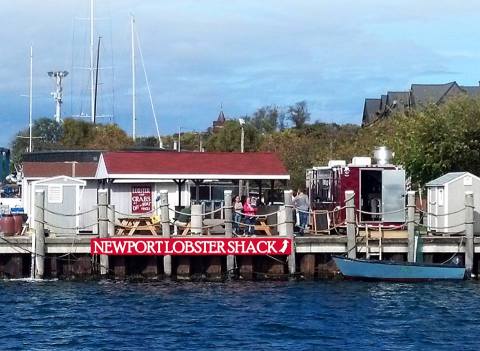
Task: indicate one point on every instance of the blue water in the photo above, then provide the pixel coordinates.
(333, 315)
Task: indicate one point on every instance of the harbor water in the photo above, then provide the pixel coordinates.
(333, 315)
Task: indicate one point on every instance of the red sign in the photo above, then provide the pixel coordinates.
(191, 246)
(141, 198)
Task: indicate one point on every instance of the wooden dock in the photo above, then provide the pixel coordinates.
(69, 258)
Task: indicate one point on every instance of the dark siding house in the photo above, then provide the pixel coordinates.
(419, 96)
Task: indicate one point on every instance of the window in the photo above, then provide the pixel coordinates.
(55, 194)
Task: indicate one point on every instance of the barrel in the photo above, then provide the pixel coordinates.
(8, 225)
(18, 220)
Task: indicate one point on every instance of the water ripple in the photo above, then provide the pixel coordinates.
(240, 315)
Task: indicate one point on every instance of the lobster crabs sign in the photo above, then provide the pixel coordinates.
(152, 246)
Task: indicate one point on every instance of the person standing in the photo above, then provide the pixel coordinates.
(301, 203)
(237, 214)
(249, 213)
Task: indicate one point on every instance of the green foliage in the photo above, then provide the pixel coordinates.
(70, 134)
(228, 138)
(266, 119)
(428, 143)
(147, 142)
(46, 136)
(299, 114)
(439, 139)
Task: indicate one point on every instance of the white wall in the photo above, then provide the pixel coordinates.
(121, 196)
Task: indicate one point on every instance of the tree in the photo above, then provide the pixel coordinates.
(228, 138)
(299, 114)
(109, 137)
(77, 133)
(148, 142)
(439, 139)
(266, 118)
(47, 134)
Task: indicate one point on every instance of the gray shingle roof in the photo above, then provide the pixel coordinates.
(383, 102)
(402, 98)
(473, 91)
(370, 110)
(424, 94)
(444, 179)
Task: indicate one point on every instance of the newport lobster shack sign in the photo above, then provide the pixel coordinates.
(141, 199)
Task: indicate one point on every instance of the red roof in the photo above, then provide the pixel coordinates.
(195, 163)
(53, 169)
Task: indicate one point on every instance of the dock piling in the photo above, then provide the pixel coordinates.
(469, 248)
(103, 226)
(39, 245)
(411, 225)
(111, 220)
(196, 219)
(350, 217)
(227, 194)
(288, 200)
(165, 218)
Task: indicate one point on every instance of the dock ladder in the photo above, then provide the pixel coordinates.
(373, 243)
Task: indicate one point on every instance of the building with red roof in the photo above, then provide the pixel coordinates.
(207, 173)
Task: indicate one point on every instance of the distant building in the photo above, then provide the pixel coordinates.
(219, 123)
(419, 95)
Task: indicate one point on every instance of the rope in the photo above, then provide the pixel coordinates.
(66, 214)
(66, 228)
(320, 211)
(259, 216)
(200, 214)
(440, 228)
(380, 213)
(456, 253)
(440, 215)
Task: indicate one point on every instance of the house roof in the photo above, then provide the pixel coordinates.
(447, 178)
(473, 91)
(424, 94)
(53, 169)
(191, 165)
(398, 98)
(370, 110)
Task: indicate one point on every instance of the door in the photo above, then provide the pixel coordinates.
(393, 195)
(432, 208)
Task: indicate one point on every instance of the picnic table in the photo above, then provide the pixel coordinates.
(135, 225)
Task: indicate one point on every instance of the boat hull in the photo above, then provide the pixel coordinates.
(396, 271)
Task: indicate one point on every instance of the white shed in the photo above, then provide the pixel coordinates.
(62, 200)
(446, 202)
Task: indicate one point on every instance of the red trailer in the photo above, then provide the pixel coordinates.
(379, 190)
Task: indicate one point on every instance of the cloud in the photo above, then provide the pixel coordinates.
(241, 53)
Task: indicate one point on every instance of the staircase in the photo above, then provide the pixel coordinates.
(373, 242)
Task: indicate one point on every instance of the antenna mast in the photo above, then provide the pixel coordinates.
(58, 93)
(134, 113)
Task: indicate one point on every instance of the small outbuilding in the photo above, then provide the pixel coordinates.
(63, 196)
(446, 202)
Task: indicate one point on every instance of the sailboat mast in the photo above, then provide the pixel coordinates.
(30, 122)
(134, 113)
(96, 83)
(92, 58)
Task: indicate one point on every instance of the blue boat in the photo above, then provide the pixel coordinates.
(359, 269)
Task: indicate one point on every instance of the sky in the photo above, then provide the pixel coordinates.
(238, 54)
